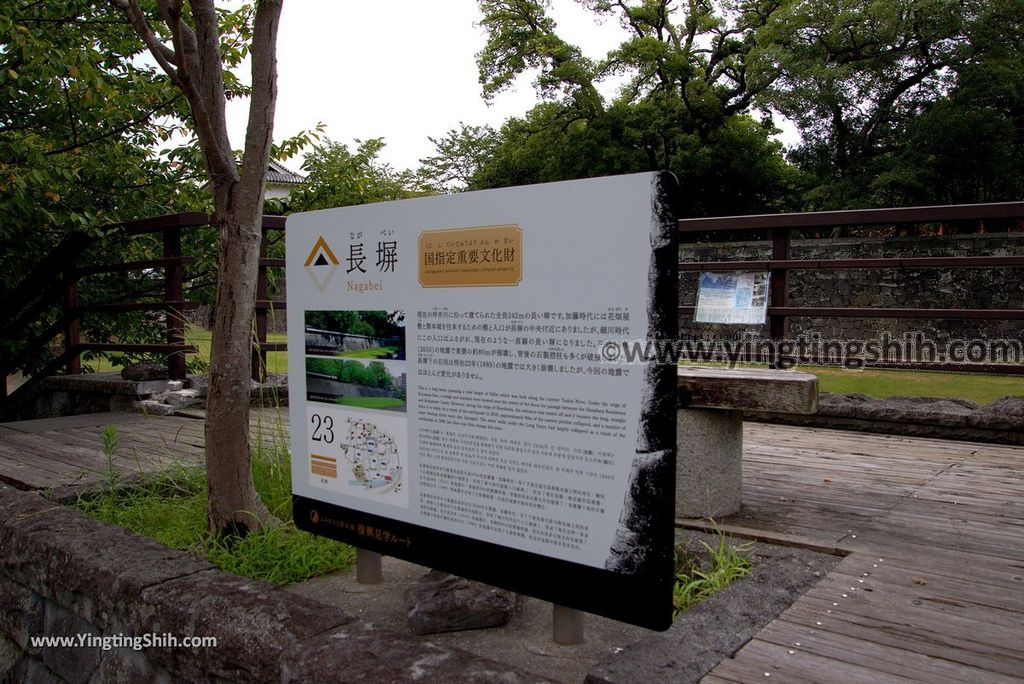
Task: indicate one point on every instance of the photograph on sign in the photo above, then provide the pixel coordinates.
(456, 411)
(732, 298)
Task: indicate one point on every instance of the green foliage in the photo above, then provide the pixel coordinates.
(371, 402)
(82, 121)
(79, 121)
(338, 177)
(692, 75)
(976, 387)
(461, 153)
(897, 101)
(695, 583)
(902, 101)
(321, 366)
(520, 36)
(110, 441)
(172, 510)
(737, 168)
(383, 324)
(374, 374)
(371, 353)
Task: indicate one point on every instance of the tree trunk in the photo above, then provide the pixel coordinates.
(195, 66)
(233, 506)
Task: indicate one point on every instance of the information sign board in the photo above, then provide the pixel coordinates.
(449, 403)
(733, 298)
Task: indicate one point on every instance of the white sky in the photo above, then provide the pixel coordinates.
(402, 70)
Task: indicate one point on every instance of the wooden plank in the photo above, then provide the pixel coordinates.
(16, 455)
(760, 658)
(885, 657)
(906, 599)
(128, 458)
(19, 470)
(27, 478)
(71, 422)
(89, 459)
(941, 641)
(747, 389)
(1006, 574)
(939, 587)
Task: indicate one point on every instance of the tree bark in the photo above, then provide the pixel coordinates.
(233, 506)
(194, 65)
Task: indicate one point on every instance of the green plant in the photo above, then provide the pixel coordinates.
(171, 508)
(110, 442)
(695, 582)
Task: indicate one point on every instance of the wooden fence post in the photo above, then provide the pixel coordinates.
(174, 281)
(259, 356)
(71, 314)
(778, 324)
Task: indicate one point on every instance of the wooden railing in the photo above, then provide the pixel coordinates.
(55, 282)
(779, 228)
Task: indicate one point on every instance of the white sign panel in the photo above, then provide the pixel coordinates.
(448, 399)
(732, 297)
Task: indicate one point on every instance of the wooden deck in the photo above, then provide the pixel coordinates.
(56, 452)
(932, 589)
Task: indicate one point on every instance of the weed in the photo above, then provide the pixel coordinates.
(171, 508)
(110, 440)
(696, 582)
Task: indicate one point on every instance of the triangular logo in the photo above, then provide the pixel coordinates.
(321, 254)
(321, 264)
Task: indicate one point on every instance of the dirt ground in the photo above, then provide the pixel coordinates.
(613, 651)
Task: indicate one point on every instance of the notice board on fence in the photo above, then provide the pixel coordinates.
(735, 298)
(450, 402)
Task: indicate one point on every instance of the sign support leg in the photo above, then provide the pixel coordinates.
(368, 567)
(567, 625)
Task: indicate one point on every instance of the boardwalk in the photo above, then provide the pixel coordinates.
(932, 588)
(54, 452)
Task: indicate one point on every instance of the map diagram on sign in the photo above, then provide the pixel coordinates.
(373, 457)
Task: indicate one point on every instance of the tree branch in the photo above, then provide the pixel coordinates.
(115, 131)
(210, 126)
(260, 129)
(161, 53)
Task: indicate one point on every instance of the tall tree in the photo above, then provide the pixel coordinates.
(692, 71)
(459, 156)
(854, 75)
(968, 145)
(338, 177)
(192, 61)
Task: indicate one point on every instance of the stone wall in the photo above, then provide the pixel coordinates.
(65, 574)
(992, 288)
(327, 389)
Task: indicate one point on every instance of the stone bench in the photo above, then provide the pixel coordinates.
(709, 430)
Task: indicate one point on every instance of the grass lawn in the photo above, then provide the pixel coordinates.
(975, 387)
(277, 362)
(371, 402)
(371, 353)
(881, 383)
